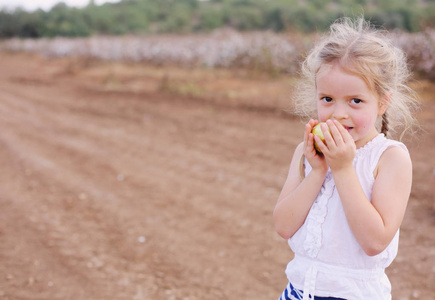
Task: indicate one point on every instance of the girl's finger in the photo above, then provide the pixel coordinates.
(307, 131)
(327, 135)
(310, 144)
(344, 133)
(320, 144)
(335, 132)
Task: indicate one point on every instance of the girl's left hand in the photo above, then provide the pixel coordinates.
(340, 147)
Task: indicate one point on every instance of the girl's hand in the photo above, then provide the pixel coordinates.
(341, 149)
(316, 160)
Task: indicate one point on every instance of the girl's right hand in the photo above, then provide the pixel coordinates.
(316, 160)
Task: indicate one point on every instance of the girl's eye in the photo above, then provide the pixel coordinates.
(356, 101)
(327, 99)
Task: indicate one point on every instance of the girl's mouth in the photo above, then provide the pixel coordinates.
(348, 128)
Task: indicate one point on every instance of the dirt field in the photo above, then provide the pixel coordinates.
(123, 181)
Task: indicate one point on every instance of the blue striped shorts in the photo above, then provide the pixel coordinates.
(290, 293)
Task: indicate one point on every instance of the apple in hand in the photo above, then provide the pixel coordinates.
(318, 131)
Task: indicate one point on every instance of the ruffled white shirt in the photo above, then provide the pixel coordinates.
(328, 260)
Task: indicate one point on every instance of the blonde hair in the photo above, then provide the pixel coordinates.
(367, 52)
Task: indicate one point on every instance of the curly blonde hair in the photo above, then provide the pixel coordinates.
(367, 52)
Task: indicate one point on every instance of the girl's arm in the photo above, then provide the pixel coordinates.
(373, 223)
(298, 194)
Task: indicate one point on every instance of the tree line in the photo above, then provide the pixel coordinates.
(190, 16)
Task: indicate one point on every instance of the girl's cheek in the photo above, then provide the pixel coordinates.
(322, 116)
(363, 123)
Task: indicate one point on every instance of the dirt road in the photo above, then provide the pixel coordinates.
(115, 184)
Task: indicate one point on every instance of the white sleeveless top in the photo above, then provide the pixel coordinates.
(328, 260)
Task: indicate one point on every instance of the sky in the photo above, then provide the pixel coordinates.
(46, 5)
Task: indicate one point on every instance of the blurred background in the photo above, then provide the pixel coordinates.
(88, 17)
(144, 144)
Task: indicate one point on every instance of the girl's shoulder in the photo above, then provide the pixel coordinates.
(379, 153)
(395, 153)
(391, 155)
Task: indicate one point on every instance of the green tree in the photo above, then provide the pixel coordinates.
(210, 17)
(183, 16)
(178, 19)
(274, 19)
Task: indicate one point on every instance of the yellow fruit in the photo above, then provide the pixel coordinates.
(318, 131)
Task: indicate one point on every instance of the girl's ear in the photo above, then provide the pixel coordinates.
(384, 102)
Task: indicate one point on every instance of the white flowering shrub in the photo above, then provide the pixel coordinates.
(420, 49)
(223, 48)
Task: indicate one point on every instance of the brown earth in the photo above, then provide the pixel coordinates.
(122, 181)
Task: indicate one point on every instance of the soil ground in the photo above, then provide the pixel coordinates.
(128, 181)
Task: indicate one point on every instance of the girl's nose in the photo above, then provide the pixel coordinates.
(340, 112)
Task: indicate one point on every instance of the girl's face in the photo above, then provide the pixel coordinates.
(345, 97)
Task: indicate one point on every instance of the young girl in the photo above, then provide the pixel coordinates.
(341, 210)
